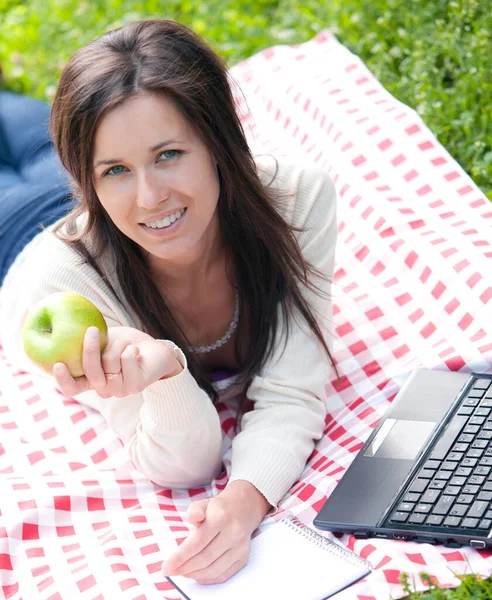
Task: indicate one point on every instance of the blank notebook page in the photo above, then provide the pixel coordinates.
(285, 563)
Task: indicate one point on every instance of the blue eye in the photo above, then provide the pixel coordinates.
(171, 154)
(168, 155)
(117, 170)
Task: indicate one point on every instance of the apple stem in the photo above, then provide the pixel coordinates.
(46, 330)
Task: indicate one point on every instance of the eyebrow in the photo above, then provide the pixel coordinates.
(111, 161)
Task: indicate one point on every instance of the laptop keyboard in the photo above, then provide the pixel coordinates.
(453, 488)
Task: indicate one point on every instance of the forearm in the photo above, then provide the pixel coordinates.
(171, 430)
(178, 441)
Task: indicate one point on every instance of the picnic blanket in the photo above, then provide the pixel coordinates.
(411, 290)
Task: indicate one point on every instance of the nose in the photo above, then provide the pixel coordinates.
(151, 190)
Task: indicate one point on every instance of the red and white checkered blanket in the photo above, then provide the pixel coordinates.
(411, 290)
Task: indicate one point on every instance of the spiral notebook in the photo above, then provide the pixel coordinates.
(288, 561)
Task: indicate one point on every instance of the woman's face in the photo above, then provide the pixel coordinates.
(157, 179)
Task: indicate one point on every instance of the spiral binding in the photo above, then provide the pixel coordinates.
(326, 544)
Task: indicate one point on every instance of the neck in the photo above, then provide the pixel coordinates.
(185, 277)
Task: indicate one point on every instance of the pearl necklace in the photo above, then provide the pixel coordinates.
(224, 338)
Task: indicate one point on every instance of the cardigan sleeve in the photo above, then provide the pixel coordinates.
(171, 430)
(279, 434)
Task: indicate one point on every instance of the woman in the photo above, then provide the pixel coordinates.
(201, 260)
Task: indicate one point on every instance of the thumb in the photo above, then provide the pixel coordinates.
(196, 511)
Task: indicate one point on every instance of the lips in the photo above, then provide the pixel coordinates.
(166, 226)
(166, 219)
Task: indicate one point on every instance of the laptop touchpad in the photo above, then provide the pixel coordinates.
(400, 439)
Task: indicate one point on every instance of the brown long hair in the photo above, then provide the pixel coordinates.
(165, 56)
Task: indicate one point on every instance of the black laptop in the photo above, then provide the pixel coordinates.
(425, 473)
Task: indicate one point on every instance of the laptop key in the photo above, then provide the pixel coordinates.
(469, 523)
(485, 435)
(417, 519)
(476, 479)
(471, 489)
(443, 506)
(474, 453)
(423, 508)
(405, 507)
(449, 466)
(486, 460)
(435, 520)
(452, 490)
(485, 524)
(488, 486)
(432, 465)
(477, 509)
(430, 496)
(482, 412)
(455, 456)
(469, 462)
(458, 510)
(484, 471)
(477, 421)
(480, 444)
(463, 471)
(445, 475)
(418, 485)
(476, 393)
(460, 447)
(437, 484)
(465, 410)
(466, 438)
(399, 517)
(411, 497)
(471, 429)
(481, 384)
(486, 496)
(465, 499)
(452, 521)
(426, 474)
(459, 481)
(447, 439)
(488, 514)
(472, 400)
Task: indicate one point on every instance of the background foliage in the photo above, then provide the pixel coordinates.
(434, 55)
(472, 587)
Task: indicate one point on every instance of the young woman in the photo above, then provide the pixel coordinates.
(202, 260)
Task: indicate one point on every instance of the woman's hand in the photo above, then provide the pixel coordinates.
(131, 361)
(220, 545)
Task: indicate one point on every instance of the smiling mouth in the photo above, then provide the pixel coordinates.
(167, 221)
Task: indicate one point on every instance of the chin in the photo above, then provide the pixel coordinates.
(176, 253)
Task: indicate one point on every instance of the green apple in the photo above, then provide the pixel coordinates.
(54, 331)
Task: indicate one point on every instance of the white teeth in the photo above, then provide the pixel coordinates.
(167, 220)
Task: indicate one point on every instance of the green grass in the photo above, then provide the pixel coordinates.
(433, 55)
(472, 587)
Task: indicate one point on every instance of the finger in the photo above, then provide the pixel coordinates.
(91, 359)
(130, 369)
(227, 574)
(212, 561)
(111, 358)
(193, 544)
(196, 511)
(67, 384)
